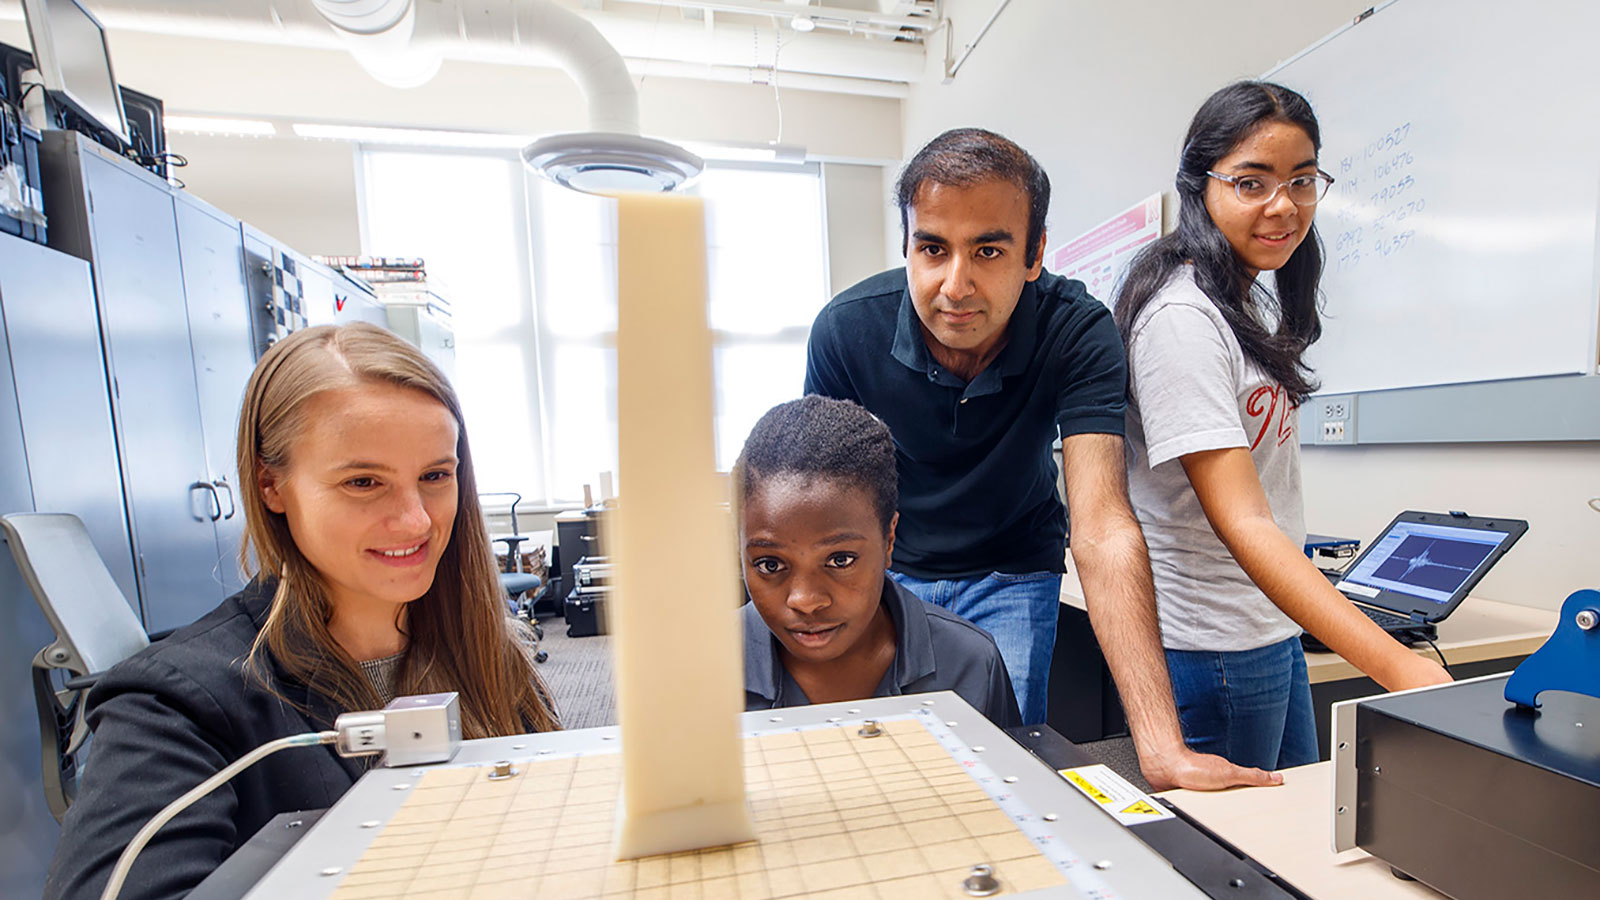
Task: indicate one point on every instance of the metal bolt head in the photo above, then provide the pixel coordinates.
(870, 729)
(1587, 619)
(502, 770)
(980, 882)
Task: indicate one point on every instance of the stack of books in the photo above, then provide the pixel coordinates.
(395, 280)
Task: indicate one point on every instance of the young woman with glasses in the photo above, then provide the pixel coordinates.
(1217, 373)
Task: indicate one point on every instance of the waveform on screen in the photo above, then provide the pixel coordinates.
(1423, 559)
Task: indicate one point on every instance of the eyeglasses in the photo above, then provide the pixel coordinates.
(1258, 190)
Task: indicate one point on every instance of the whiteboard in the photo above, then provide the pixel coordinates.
(1460, 234)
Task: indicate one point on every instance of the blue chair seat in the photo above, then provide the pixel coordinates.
(519, 582)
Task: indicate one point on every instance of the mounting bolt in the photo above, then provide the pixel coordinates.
(502, 770)
(1587, 619)
(870, 729)
(981, 882)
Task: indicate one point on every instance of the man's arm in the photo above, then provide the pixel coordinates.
(1114, 567)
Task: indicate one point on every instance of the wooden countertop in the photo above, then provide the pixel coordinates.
(1479, 629)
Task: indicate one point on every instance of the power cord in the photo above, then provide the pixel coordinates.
(1441, 656)
(135, 846)
(354, 734)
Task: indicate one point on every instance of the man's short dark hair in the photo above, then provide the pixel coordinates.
(963, 157)
(819, 437)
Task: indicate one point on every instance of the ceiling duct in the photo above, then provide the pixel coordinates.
(378, 34)
(611, 156)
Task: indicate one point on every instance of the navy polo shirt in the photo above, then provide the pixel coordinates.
(977, 479)
(934, 650)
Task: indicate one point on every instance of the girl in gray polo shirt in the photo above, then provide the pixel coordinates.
(1216, 376)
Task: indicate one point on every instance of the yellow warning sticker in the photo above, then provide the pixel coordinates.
(1083, 784)
(1112, 793)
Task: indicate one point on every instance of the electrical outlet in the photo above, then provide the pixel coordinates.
(1336, 416)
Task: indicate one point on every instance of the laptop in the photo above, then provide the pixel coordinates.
(1420, 568)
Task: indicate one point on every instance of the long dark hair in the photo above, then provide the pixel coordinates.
(1223, 122)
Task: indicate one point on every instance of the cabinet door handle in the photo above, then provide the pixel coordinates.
(223, 483)
(216, 501)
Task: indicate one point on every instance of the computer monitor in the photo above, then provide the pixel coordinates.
(69, 46)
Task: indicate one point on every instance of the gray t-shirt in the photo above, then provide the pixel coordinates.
(1193, 389)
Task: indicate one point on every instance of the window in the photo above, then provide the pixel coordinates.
(463, 214)
(530, 271)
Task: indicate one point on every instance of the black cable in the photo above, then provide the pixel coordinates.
(1441, 655)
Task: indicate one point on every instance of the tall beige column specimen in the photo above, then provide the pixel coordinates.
(674, 614)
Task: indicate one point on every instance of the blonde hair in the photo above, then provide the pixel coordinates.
(459, 636)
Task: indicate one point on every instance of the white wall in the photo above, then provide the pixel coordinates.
(1101, 93)
(855, 203)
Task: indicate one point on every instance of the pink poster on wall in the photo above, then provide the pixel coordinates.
(1101, 255)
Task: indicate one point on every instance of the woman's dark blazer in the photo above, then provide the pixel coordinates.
(165, 719)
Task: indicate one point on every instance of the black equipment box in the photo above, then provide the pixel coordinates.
(586, 611)
(1479, 798)
(585, 608)
(21, 184)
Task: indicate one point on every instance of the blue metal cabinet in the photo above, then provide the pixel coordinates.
(215, 292)
(123, 221)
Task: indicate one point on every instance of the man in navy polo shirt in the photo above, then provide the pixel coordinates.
(979, 361)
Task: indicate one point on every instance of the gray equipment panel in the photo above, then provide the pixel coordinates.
(212, 247)
(355, 303)
(258, 280)
(63, 397)
(1103, 851)
(122, 220)
(27, 830)
(171, 500)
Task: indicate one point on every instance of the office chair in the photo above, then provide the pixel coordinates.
(95, 629)
(522, 588)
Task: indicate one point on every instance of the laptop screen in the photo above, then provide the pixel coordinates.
(1422, 560)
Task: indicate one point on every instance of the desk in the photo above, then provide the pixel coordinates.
(1481, 637)
(1287, 829)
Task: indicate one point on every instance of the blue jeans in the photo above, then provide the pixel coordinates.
(1251, 706)
(1019, 611)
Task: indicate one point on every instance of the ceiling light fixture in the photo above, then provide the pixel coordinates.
(415, 137)
(790, 154)
(603, 162)
(213, 125)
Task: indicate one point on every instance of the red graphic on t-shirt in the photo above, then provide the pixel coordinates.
(1265, 402)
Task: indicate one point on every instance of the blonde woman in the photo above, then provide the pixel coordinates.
(374, 578)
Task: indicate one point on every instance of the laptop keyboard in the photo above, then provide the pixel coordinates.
(1387, 620)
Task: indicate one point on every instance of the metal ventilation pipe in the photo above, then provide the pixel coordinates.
(386, 39)
(379, 34)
